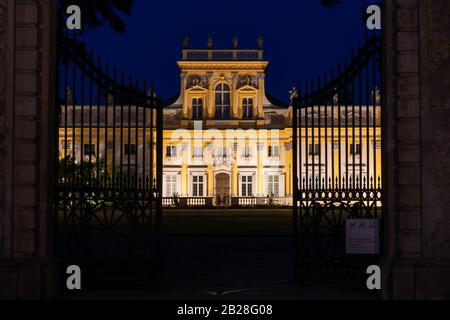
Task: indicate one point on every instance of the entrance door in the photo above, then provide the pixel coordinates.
(222, 189)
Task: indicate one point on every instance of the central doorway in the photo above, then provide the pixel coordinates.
(222, 189)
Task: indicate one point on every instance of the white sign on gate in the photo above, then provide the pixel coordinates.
(362, 236)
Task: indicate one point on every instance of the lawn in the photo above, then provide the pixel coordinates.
(228, 222)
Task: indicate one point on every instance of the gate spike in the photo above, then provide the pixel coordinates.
(364, 182)
(337, 183)
(304, 183)
(379, 182)
(371, 182)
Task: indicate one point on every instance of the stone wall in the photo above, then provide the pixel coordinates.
(27, 81)
(417, 157)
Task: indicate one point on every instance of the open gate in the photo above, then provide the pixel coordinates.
(109, 174)
(337, 146)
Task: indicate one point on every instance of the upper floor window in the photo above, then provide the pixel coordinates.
(355, 149)
(221, 152)
(197, 108)
(198, 152)
(171, 151)
(247, 108)
(223, 98)
(314, 150)
(274, 151)
(130, 149)
(247, 152)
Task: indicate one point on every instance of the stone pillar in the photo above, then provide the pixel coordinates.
(417, 151)
(28, 269)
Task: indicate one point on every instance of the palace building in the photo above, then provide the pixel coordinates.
(227, 142)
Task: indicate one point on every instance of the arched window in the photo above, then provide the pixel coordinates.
(223, 106)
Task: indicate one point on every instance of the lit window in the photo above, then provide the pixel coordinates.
(171, 151)
(355, 149)
(247, 152)
(223, 102)
(222, 152)
(273, 185)
(170, 185)
(274, 151)
(247, 108)
(130, 149)
(197, 186)
(246, 186)
(197, 109)
(198, 152)
(314, 151)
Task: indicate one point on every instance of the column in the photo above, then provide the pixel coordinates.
(184, 170)
(234, 172)
(260, 148)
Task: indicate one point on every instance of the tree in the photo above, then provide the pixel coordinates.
(97, 12)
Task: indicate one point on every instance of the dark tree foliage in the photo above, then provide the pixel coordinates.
(97, 12)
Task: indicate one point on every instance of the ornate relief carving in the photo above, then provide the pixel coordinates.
(247, 80)
(197, 80)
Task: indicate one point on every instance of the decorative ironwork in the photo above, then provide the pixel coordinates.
(109, 177)
(336, 148)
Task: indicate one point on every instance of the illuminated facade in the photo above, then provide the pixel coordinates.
(226, 141)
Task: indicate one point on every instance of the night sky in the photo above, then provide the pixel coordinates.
(302, 39)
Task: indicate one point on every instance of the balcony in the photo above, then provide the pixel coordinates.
(222, 55)
(229, 202)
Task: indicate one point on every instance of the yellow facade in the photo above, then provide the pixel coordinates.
(227, 142)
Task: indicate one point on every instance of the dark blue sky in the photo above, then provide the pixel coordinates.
(301, 38)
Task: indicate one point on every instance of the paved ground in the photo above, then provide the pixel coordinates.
(229, 268)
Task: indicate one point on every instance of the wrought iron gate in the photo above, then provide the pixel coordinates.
(337, 147)
(109, 174)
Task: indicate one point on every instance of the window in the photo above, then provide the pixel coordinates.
(89, 149)
(170, 185)
(197, 186)
(247, 152)
(130, 149)
(198, 152)
(171, 151)
(247, 186)
(273, 185)
(314, 151)
(247, 108)
(274, 151)
(223, 102)
(197, 108)
(355, 149)
(222, 152)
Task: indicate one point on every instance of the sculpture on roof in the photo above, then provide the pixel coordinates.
(185, 42)
(235, 42)
(260, 41)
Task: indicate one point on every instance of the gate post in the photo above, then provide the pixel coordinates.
(27, 107)
(416, 154)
